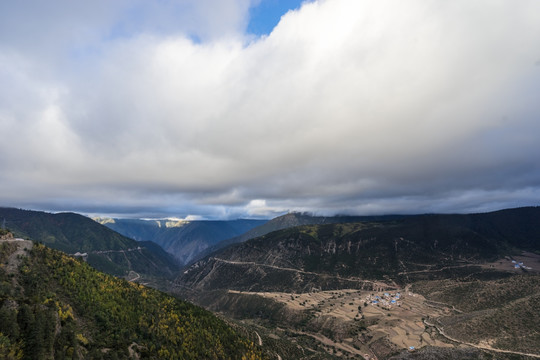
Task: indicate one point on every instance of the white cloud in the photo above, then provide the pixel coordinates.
(259, 208)
(359, 106)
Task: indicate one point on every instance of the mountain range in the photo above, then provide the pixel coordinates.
(101, 247)
(290, 220)
(298, 286)
(398, 249)
(463, 276)
(185, 240)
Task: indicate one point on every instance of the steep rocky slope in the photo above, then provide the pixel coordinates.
(289, 221)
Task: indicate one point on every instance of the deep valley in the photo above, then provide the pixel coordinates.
(396, 287)
(463, 281)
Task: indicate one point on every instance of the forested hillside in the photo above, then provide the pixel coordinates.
(53, 306)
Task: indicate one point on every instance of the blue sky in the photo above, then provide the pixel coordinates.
(179, 108)
(266, 15)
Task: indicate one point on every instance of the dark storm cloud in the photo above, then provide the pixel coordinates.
(346, 107)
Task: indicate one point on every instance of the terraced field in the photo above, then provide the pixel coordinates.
(401, 326)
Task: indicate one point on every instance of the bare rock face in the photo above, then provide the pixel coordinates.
(6, 236)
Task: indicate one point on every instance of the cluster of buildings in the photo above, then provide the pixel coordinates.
(84, 256)
(387, 300)
(520, 265)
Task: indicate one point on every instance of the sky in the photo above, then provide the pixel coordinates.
(219, 109)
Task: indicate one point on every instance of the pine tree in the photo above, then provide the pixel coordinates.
(8, 323)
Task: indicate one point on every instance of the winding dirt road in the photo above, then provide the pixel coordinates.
(482, 347)
(373, 283)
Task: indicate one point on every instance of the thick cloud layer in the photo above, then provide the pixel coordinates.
(346, 107)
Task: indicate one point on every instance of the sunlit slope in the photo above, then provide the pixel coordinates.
(55, 306)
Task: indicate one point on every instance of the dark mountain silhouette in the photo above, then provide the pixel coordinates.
(105, 249)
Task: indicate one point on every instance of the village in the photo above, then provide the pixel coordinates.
(527, 262)
(520, 265)
(388, 317)
(386, 300)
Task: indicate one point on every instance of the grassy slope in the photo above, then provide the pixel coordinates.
(503, 312)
